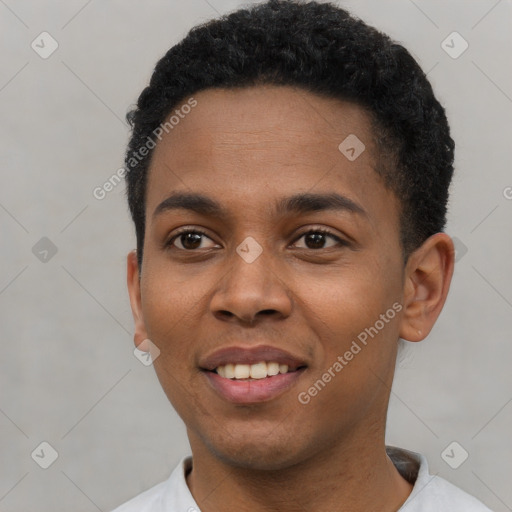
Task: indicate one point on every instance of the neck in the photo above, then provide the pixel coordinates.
(355, 476)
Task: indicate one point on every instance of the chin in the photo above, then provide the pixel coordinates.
(257, 458)
(264, 451)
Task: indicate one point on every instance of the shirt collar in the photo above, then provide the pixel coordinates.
(411, 465)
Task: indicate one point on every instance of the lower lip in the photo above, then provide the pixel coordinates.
(252, 391)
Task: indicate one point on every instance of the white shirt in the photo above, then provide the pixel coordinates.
(429, 494)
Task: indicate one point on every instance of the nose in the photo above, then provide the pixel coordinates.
(251, 290)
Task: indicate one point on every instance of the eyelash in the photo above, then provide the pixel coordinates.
(183, 231)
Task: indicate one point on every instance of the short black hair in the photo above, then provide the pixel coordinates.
(322, 49)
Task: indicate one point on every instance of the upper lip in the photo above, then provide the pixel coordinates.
(253, 355)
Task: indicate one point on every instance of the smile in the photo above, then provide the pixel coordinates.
(253, 371)
(249, 375)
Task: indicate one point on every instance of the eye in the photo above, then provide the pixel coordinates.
(191, 239)
(316, 238)
(188, 240)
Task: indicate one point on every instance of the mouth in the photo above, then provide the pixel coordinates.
(248, 372)
(245, 376)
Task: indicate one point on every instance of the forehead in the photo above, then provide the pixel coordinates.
(268, 119)
(249, 146)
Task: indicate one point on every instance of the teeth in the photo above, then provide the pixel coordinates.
(254, 371)
(242, 371)
(229, 371)
(258, 371)
(272, 368)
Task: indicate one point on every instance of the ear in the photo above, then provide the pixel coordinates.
(428, 275)
(140, 335)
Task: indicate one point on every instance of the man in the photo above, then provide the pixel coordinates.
(288, 177)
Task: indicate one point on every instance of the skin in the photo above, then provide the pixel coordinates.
(246, 149)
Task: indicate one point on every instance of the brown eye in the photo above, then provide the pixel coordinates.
(189, 240)
(316, 239)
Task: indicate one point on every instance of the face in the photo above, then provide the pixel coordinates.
(266, 243)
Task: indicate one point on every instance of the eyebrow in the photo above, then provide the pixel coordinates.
(298, 203)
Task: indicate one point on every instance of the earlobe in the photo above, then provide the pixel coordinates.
(428, 276)
(133, 282)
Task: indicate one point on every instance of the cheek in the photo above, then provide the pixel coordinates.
(358, 350)
(346, 299)
(175, 309)
(170, 314)
(353, 315)
(165, 306)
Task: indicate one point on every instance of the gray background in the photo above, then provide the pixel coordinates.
(68, 373)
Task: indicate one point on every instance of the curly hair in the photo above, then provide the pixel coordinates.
(324, 50)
